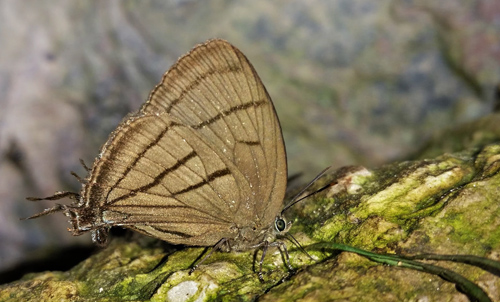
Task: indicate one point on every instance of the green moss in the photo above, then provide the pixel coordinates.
(447, 205)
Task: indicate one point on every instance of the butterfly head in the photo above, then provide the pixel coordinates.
(86, 219)
(281, 226)
(82, 218)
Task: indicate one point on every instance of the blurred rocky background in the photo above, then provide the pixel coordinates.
(353, 81)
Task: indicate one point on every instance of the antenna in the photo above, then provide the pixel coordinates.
(295, 200)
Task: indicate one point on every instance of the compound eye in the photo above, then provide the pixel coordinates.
(280, 224)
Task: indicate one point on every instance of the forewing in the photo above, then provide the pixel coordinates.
(216, 91)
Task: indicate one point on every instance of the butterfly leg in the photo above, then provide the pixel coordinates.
(217, 246)
(56, 196)
(265, 246)
(282, 247)
(56, 208)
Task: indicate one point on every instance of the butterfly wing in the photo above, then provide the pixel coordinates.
(216, 91)
(152, 179)
(203, 155)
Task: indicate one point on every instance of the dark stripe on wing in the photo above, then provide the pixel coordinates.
(124, 209)
(209, 179)
(249, 143)
(141, 154)
(157, 179)
(179, 234)
(176, 233)
(228, 112)
(190, 87)
(116, 208)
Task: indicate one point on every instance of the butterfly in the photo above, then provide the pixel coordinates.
(202, 163)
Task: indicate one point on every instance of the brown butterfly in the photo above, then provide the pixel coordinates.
(202, 163)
